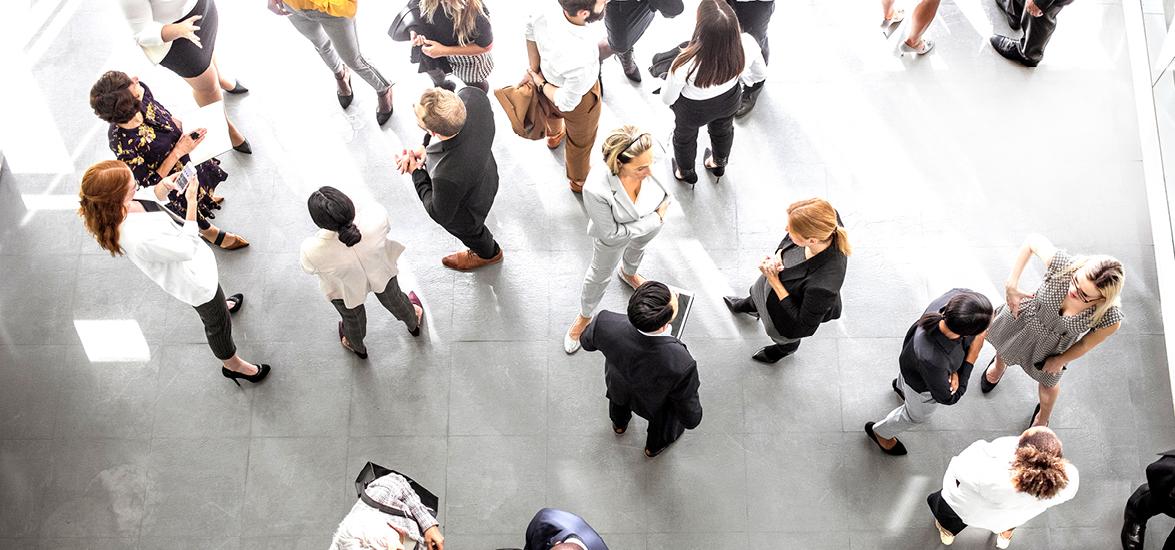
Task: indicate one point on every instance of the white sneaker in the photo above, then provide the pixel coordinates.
(570, 345)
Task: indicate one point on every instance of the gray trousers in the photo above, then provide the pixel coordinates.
(334, 37)
(355, 320)
(605, 257)
(916, 410)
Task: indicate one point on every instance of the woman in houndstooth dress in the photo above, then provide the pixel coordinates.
(1074, 309)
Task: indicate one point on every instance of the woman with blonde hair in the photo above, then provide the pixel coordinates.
(166, 249)
(1076, 308)
(799, 286)
(1001, 484)
(626, 206)
(454, 37)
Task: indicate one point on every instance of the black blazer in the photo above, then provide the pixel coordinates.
(645, 373)
(813, 289)
(550, 527)
(1160, 475)
(460, 188)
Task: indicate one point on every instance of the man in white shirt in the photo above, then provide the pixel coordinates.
(565, 69)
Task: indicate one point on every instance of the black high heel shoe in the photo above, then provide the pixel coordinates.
(690, 177)
(345, 100)
(716, 171)
(262, 372)
(238, 300)
(243, 148)
(984, 385)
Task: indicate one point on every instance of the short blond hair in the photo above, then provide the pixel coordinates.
(444, 112)
(624, 144)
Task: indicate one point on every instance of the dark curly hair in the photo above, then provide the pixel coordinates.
(112, 100)
(1039, 467)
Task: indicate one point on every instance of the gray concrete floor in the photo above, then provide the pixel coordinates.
(117, 431)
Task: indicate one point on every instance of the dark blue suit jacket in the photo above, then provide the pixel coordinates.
(550, 527)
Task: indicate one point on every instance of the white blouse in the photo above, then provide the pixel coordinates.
(175, 257)
(350, 273)
(679, 83)
(978, 487)
(147, 18)
(570, 55)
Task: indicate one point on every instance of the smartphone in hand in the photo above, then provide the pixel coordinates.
(186, 176)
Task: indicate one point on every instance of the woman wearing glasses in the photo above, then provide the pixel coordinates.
(626, 208)
(1076, 308)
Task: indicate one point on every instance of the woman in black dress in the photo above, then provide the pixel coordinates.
(145, 136)
(454, 37)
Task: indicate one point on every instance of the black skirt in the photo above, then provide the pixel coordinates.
(185, 58)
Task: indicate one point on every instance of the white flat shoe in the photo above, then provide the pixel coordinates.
(570, 345)
(927, 45)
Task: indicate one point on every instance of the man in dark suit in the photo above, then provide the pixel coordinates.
(1038, 19)
(1156, 496)
(648, 371)
(553, 529)
(626, 21)
(456, 175)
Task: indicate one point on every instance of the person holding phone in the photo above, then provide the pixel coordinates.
(1075, 308)
(626, 209)
(366, 528)
(166, 249)
(454, 37)
(154, 144)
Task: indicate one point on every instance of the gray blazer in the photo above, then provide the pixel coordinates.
(612, 216)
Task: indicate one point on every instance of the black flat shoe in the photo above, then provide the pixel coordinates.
(897, 450)
(1032, 419)
(897, 390)
(243, 148)
(716, 171)
(238, 88)
(236, 377)
(238, 300)
(984, 385)
(690, 177)
(769, 355)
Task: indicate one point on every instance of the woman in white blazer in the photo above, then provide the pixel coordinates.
(626, 208)
(1001, 484)
(166, 249)
(353, 256)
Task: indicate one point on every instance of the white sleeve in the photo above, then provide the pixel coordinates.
(674, 84)
(172, 247)
(755, 70)
(147, 31)
(528, 30)
(575, 85)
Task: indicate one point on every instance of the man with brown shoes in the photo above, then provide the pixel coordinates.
(456, 175)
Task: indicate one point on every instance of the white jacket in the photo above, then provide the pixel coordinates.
(147, 18)
(350, 273)
(174, 257)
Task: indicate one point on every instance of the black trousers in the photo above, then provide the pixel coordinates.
(1037, 30)
(218, 326)
(1144, 505)
(664, 427)
(716, 114)
(946, 516)
(355, 320)
(626, 22)
(478, 239)
(754, 17)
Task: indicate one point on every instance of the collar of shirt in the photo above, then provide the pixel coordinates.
(667, 332)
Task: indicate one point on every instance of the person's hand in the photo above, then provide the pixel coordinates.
(1054, 365)
(1032, 9)
(276, 6)
(536, 78)
(432, 48)
(768, 267)
(1014, 296)
(186, 144)
(165, 186)
(778, 260)
(409, 160)
(193, 189)
(187, 29)
(663, 209)
(433, 540)
(954, 382)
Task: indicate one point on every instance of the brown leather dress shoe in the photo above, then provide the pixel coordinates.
(466, 260)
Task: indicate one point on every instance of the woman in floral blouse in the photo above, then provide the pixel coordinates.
(153, 143)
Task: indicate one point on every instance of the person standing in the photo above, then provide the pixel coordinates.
(329, 25)
(352, 257)
(1038, 19)
(754, 16)
(154, 144)
(1155, 497)
(704, 85)
(626, 209)
(626, 22)
(923, 15)
(454, 37)
(799, 286)
(565, 70)
(552, 529)
(937, 357)
(647, 370)
(456, 176)
(1000, 485)
(168, 251)
(1076, 307)
(181, 36)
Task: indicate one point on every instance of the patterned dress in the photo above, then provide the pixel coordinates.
(143, 149)
(1040, 331)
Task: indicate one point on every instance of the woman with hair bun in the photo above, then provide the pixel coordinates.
(1002, 484)
(1076, 307)
(353, 256)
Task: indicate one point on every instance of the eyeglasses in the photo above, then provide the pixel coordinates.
(1081, 293)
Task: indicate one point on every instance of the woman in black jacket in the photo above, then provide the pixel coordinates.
(800, 284)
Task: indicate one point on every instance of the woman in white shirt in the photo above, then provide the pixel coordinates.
(353, 256)
(1001, 484)
(626, 208)
(181, 35)
(169, 251)
(704, 88)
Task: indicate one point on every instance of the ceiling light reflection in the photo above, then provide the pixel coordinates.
(113, 340)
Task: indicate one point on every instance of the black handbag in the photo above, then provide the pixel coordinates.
(404, 24)
(373, 471)
(664, 60)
